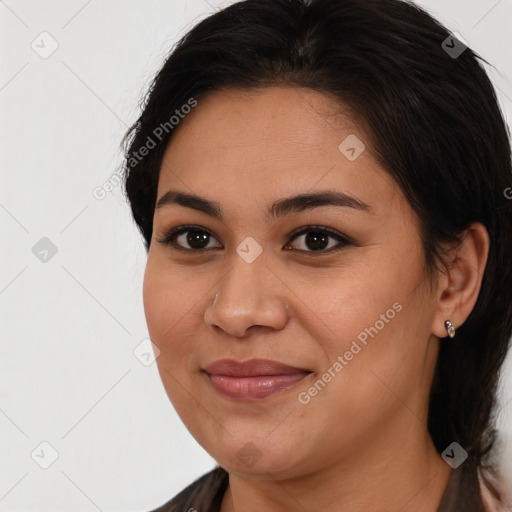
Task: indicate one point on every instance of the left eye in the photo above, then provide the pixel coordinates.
(316, 239)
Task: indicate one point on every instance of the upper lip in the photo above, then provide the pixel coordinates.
(251, 368)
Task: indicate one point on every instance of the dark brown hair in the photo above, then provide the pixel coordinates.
(434, 124)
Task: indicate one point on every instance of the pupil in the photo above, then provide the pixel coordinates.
(197, 237)
(316, 241)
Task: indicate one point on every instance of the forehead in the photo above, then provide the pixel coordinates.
(231, 117)
(276, 140)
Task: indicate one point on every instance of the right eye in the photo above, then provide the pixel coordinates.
(195, 236)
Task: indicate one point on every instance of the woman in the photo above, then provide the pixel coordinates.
(322, 190)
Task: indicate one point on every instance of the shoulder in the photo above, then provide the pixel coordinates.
(204, 494)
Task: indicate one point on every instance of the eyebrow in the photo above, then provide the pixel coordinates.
(278, 209)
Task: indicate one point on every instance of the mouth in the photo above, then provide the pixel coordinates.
(253, 379)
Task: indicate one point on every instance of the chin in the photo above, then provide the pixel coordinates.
(258, 459)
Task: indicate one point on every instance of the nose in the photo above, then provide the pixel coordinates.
(249, 295)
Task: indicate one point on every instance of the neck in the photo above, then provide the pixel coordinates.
(406, 475)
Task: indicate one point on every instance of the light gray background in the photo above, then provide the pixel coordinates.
(69, 326)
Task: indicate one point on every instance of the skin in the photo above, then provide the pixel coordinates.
(361, 443)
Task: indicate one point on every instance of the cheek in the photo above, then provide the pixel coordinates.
(172, 304)
(155, 298)
(168, 314)
(372, 315)
(163, 311)
(164, 299)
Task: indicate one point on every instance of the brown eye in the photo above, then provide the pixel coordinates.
(190, 238)
(196, 239)
(317, 239)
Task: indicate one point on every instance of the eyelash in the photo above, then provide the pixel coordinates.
(170, 236)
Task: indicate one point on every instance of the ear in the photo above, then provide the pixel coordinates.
(458, 289)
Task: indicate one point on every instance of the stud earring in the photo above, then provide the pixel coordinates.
(450, 328)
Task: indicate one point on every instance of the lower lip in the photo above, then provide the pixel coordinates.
(253, 388)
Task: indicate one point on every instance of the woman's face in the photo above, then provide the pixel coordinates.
(353, 318)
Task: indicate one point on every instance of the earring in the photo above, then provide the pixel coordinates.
(450, 328)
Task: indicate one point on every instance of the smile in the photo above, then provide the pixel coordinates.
(254, 379)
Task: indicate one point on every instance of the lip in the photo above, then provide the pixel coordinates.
(253, 379)
(251, 368)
